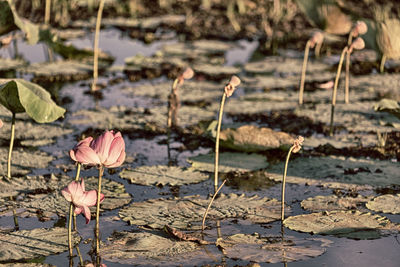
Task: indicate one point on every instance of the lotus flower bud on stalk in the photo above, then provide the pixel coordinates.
(359, 28)
(228, 91)
(295, 148)
(315, 41)
(357, 44)
(173, 97)
(107, 150)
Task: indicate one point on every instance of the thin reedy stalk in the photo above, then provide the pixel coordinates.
(209, 205)
(80, 256)
(221, 110)
(101, 170)
(347, 78)
(318, 49)
(170, 108)
(47, 12)
(303, 72)
(11, 146)
(71, 206)
(335, 89)
(96, 46)
(283, 184)
(382, 66)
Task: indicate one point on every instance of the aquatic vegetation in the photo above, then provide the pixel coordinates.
(388, 32)
(357, 44)
(294, 148)
(315, 41)
(19, 96)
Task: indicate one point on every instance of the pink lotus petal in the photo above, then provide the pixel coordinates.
(119, 161)
(90, 198)
(116, 148)
(65, 192)
(101, 145)
(86, 212)
(78, 210)
(102, 197)
(87, 155)
(75, 189)
(327, 85)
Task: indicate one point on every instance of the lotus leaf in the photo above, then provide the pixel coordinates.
(342, 170)
(7, 64)
(30, 244)
(250, 138)
(18, 95)
(271, 249)
(229, 162)
(388, 105)
(187, 212)
(163, 175)
(145, 248)
(332, 202)
(23, 162)
(215, 72)
(55, 203)
(350, 224)
(26, 265)
(386, 204)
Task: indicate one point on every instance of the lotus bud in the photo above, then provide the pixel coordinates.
(186, 75)
(358, 44)
(360, 28)
(231, 86)
(297, 144)
(317, 38)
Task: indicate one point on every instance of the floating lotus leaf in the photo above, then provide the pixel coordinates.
(23, 161)
(55, 203)
(196, 49)
(7, 64)
(148, 249)
(378, 84)
(215, 72)
(284, 65)
(30, 244)
(250, 138)
(190, 91)
(229, 162)
(332, 202)
(271, 249)
(187, 212)
(238, 106)
(162, 175)
(388, 105)
(18, 95)
(350, 224)
(386, 204)
(342, 170)
(26, 265)
(64, 70)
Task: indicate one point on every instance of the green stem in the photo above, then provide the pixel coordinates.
(71, 206)
(96, 46)
(101, 170)
(336, 86)
(303, 72)
(221, 110)
(383, 60)
(209, 205)
(80, 256)
(283, 185)
(11, 146)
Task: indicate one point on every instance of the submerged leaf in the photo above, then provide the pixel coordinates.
(18, 95)
(30, 244)
(271, 249)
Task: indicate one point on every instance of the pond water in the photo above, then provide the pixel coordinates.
(144, 148)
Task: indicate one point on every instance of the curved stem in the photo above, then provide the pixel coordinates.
(383, 60)
(101, 170)
(303, 72)
(283, 185)
(346, 88)
(96, 46)
(11, 146)
(221, 110)
(79, 255)
(78, 170)
(335, 87)
(209, 205)
(318, 49)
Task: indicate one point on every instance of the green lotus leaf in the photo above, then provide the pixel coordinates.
(30, 244)
(31, 30)
(388, 105)
(350, 224)
(386, 204)
(18, 95)
(271, 249)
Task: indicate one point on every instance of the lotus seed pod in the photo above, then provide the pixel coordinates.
(317, 38)
(231, 86)
(188, 74)
(235, 81)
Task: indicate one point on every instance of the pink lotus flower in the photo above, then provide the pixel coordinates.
(81, 199)
(108, 150)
